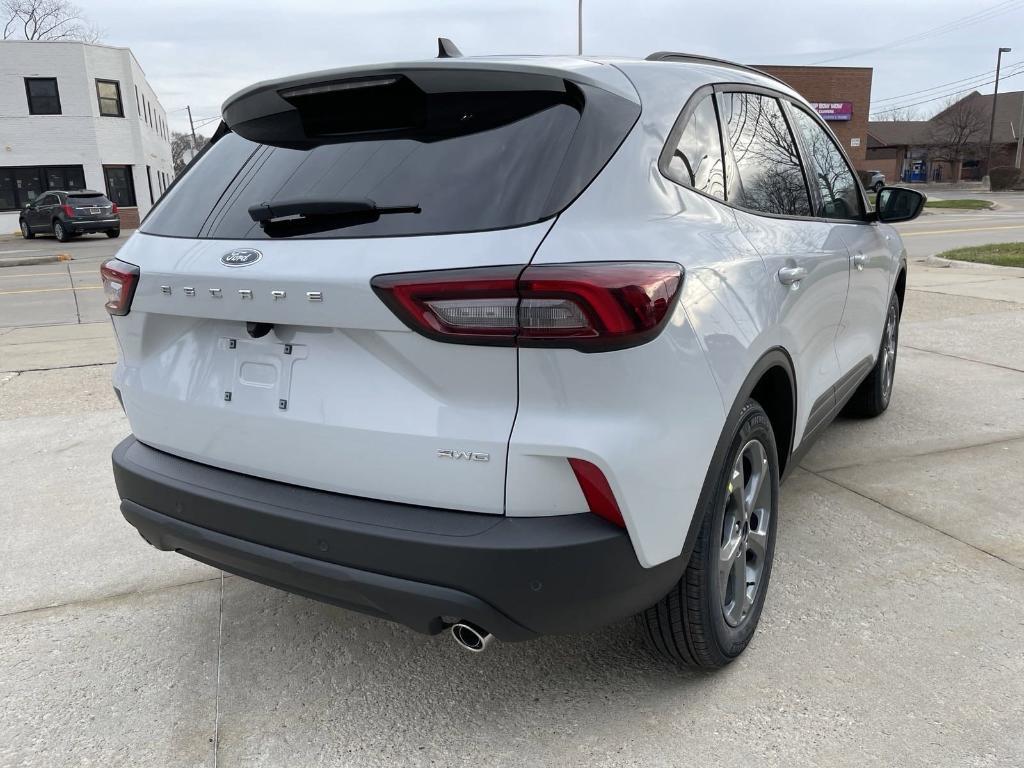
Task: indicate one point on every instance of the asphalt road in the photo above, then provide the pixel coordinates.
(70, 292)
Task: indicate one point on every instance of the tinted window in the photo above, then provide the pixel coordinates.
(837, 186)
(697, 159)
(120, 185)
(490, 161)
(79, 198)
(43, 98)
(767, 166)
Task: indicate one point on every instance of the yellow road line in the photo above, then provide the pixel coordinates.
(966, 229)
(54, 290)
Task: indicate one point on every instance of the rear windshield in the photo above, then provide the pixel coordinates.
(79, 199)
(521, 159)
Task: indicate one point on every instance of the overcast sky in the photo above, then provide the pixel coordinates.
(198, 52)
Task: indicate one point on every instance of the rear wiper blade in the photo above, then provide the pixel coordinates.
(312, 207)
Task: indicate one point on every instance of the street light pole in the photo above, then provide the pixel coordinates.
(992, 122)
(191, 125)
(579, 29)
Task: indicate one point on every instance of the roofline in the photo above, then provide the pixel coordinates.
(697, 58)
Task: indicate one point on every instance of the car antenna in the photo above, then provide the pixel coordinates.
(446, 49)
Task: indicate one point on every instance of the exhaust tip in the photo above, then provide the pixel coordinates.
(471, 637)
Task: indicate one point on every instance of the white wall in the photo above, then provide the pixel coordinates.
(80, 135)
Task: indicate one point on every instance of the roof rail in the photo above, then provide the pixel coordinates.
(696, 58)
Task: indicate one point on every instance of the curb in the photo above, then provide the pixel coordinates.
(29, 261)
(938, 261)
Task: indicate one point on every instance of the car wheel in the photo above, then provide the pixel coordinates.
(26, 231)
(873, 395)
(60, 233)
(112, 233)
(878, 186)
(708, 618)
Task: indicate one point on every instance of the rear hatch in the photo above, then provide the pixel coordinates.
(90, 205)
(255, 342)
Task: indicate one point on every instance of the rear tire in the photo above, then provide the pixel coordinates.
(26, 231)
(60, 232)
(874, 393)
(112, 233)
(708, 617)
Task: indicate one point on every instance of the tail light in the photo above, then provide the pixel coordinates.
(113, 207)
(592, 307)
(596, 491)
(68, 211)
(119, 282)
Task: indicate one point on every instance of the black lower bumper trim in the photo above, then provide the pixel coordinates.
(422, 567)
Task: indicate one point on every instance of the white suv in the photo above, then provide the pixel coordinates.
(510, 346)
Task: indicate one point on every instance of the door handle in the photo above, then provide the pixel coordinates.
(791, 275)
(859, 260)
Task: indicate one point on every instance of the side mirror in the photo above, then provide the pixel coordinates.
(895, 204)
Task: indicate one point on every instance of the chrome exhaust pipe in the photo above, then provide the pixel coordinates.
(471, 637)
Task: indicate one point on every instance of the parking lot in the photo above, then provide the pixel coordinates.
(892, 633)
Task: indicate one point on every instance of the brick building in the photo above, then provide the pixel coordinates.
(842, 95)
(75, 115)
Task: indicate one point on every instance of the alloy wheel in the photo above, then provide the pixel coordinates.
(743, 548)
(24, 228)
(889, 352)
(58, 231)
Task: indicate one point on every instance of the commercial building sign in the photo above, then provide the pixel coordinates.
(834, 110)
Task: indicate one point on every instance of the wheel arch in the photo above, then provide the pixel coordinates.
(901, 285)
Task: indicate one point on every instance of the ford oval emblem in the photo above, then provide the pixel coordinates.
(241, 257)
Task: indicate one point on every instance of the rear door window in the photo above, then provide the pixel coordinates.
(696, 160)
(767, 170)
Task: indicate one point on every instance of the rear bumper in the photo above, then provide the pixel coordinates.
(422, 567)
(92, 225)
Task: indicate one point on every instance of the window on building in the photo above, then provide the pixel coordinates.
(138, 104)
(108, 92)
(120, 186)
(767, 175)
(838, 188)
(20, 186)
(149, 112)
(43, 97)
(697, 159)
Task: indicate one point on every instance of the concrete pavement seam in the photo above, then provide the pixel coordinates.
(965, 359)
(105, 598)
(58, 368)
(74, 293)
(216, 698)
(939, 452)
(914, 519)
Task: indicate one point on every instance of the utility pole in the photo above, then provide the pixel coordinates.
(1020, 132)
(992, 123)
(579, 29)
(195, 144)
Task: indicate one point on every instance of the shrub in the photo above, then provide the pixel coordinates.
(1004, 177)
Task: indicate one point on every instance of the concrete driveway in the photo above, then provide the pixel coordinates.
(892, 634)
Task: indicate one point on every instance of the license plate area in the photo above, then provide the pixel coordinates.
(258, 373)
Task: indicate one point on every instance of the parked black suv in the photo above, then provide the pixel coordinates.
(69, 214)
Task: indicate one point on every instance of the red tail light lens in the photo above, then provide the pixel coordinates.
(68, 211)
(119, 282)
(113, 207)
(596, 491)
(592, 307)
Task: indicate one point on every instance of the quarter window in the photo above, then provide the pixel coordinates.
(43, 97)
(696, 160)
(838, 188)
(108, 92)
(766, 175)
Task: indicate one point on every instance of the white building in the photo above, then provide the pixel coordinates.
(75, 115)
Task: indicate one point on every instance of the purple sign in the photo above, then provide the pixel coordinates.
(834, 110)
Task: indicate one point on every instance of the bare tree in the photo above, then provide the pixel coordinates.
(958, 131)
(181, 148)
(897, 114)
(45, 20)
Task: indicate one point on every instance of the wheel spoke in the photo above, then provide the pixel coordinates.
(739, 587)
(756, 483)
(757, 542)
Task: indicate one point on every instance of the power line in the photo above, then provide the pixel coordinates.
(942, 29)
(951, 93)
(921, 92)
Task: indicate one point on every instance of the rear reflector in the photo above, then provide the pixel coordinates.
(119, 281)
(592, 307)
(596, 491)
